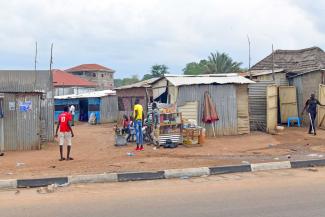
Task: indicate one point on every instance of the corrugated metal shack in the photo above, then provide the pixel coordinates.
(102, 103)
(304, 69)
(127, 94)
(26, 109)
(228, 91)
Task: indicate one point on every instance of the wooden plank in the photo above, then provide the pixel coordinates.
(271, 108)
(288, 102)
(321, 109)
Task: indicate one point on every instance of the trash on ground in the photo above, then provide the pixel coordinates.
(312, 169)
(245, 162)
(292, 149)
(276, 158)
(315, 155)
(130, 154)
(10, 173)
(49, 189)
(184, 177)
(53, 166)
(17, 192)
(64, 185)
(289, 156)
(2, 154)
(271, 145)
(18, 164)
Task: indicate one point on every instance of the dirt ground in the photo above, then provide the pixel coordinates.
(94, 152)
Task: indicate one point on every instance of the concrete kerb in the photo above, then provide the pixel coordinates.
(9, 183)
(93, 178)
(168, 174)
(271, 166)
(188, 172)
(138, 176)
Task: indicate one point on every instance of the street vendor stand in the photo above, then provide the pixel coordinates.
(170, 127)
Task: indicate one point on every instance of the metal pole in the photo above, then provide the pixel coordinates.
(249, 57)
(273, 76)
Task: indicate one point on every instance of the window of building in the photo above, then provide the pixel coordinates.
(102, 75)
(94, 74)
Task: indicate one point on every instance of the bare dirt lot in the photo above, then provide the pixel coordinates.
(94, 152)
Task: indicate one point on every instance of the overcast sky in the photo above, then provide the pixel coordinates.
(131, 35)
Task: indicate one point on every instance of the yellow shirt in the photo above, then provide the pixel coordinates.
(139, 109)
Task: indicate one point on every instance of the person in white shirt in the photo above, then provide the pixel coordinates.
(72, 112)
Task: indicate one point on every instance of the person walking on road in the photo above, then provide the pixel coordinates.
(72, 111)
(138, 122)
(65, 133)
(311, 106)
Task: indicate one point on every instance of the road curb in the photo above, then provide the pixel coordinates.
(32, 183)
(93, 178)
(138, 176)
(270, 166)
(230, 169)
(166, 174)
(9, 183)
(307, 163)
(187, 172)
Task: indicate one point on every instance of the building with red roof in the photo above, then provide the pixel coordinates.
(101, 75)
(65, 83)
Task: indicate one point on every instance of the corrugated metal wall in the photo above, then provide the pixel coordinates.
(224, 96)
(28, 81)
(189, 110)
(21, 129)
(257, 105)
(108, 109)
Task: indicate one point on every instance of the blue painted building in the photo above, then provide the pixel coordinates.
(102, 103)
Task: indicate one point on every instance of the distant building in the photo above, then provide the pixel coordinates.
(101, 75)
(65, 84)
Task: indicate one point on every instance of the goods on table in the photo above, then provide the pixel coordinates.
(170, 127)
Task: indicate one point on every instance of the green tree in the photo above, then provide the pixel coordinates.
(126, 81)
(194, 68)
(156, 71)
(221, 63)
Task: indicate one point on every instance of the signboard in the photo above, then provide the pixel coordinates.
(12, 106)
(25, 106)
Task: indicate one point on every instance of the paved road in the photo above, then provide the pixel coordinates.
(285, 193)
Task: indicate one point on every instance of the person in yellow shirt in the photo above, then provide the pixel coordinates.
(138, 122)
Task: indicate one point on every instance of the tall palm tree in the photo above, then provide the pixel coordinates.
(221, 63)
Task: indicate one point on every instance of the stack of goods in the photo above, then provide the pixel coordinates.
(193, 135)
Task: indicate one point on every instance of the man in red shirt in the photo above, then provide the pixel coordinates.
(65, 132)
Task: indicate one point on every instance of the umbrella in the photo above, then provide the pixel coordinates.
(209, 111)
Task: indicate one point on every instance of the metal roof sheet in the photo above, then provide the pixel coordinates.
(94, 94)
(145, 83)
(181, 80)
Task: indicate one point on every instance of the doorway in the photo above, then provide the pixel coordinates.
(83, 104)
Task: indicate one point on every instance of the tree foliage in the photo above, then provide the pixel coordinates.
(215, 64)
(126, 81)
(156, 71)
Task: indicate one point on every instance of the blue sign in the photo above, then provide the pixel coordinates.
(25, 106)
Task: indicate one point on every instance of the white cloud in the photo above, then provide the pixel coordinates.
(130, 36)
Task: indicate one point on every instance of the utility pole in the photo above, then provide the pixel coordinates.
(249, 57)
(35, 66)
(273, 76)
(51, 83)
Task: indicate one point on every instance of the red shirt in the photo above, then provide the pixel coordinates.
(64, 119)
